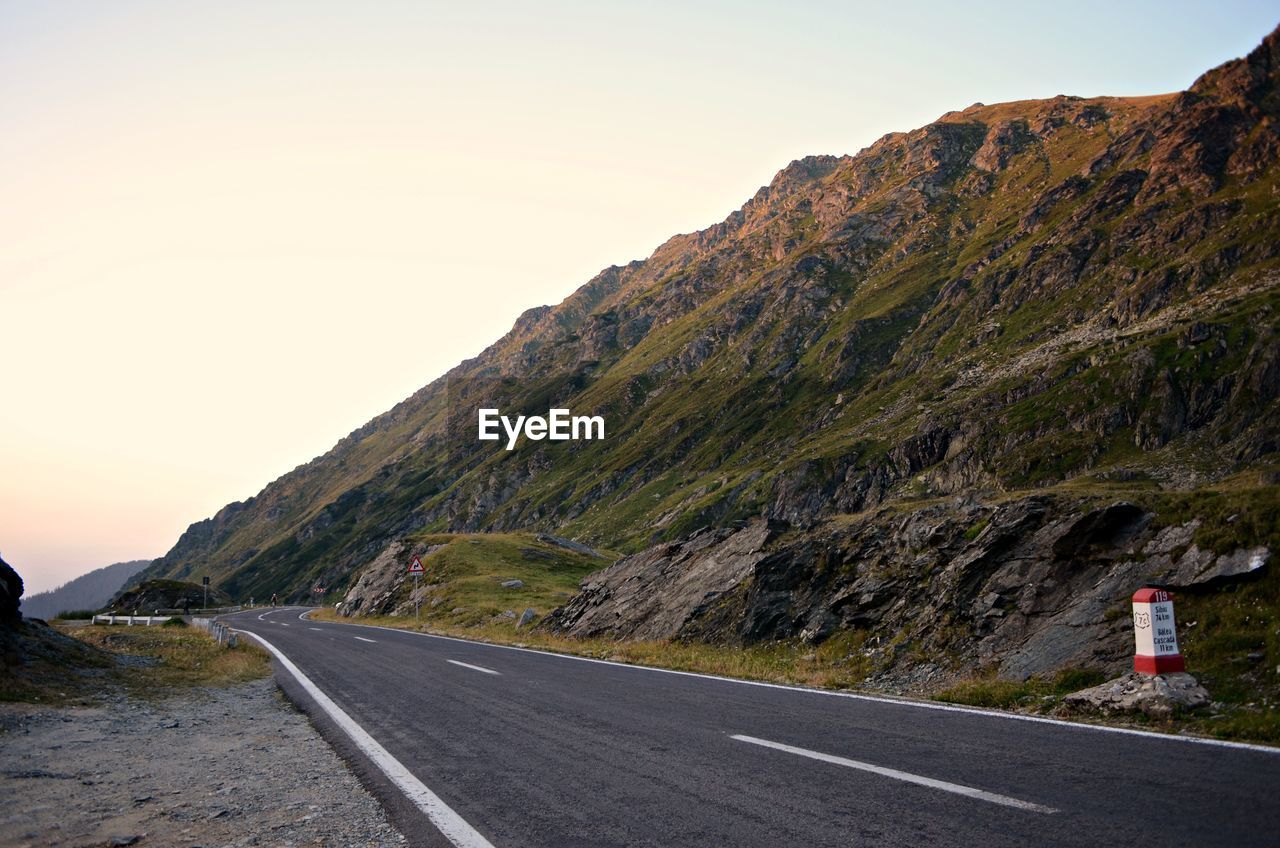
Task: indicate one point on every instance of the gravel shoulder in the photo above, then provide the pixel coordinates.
(231, 766)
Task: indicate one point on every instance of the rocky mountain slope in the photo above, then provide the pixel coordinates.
(930, 359)
(86, 592)
(153, 595)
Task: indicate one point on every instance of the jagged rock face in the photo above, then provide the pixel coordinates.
(1009, 298)
(657, 593)
(10, 594)
(375, 591)
(1029, 586)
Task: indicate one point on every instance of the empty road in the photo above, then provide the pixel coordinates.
(473, 744)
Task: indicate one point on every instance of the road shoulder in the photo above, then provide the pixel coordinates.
(225, 766)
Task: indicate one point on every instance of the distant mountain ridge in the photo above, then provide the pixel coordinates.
(1064, 294)
(87, 592)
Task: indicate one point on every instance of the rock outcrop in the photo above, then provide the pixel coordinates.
(10, 595)
(658, 593)
(376, 590)
(1025, 587)
(34, 655)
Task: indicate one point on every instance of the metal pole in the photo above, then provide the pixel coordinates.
(416, 575)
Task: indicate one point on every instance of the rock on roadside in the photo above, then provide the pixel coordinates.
(1158, 696)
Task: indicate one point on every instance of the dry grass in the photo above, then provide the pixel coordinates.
(1038, 694)
(175, 658)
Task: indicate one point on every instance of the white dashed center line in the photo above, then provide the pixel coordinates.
(472, 667)
(906, 776)
(362, 639)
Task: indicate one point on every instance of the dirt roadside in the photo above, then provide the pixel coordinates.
(226, 766)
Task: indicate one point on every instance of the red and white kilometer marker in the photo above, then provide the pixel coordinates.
(1154, 633)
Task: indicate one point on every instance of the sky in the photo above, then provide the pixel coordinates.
(233, 232)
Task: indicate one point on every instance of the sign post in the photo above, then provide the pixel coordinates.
(206, 593)
(1155, 633)
(415, 568)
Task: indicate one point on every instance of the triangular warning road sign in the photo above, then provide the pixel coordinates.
(415, 567)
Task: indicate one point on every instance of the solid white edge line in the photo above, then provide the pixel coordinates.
(469, 665)
(362, 639)
(453, 826)
(905, 776)
(859, 696)
(304, 614)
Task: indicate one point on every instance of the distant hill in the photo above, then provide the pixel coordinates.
(89, 591)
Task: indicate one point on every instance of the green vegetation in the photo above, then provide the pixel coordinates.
(468, 573)
(1238, 512)
(75, 615)
(1231, 640)
(1039, 694)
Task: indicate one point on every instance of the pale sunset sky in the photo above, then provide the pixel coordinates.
(235, 231)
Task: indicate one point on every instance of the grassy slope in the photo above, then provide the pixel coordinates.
(470, 569)
(80, 665)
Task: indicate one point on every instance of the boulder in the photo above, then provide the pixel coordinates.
(1159, 696)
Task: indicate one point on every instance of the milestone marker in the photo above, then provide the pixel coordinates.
(1155, 633)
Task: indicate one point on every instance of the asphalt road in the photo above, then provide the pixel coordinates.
(537, 749)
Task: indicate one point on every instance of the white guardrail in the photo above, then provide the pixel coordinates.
(131, 620)
(219, 631)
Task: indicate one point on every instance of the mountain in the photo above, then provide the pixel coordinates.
(87, 592)
(1043, 307)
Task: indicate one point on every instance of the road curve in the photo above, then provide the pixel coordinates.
(535, 749)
